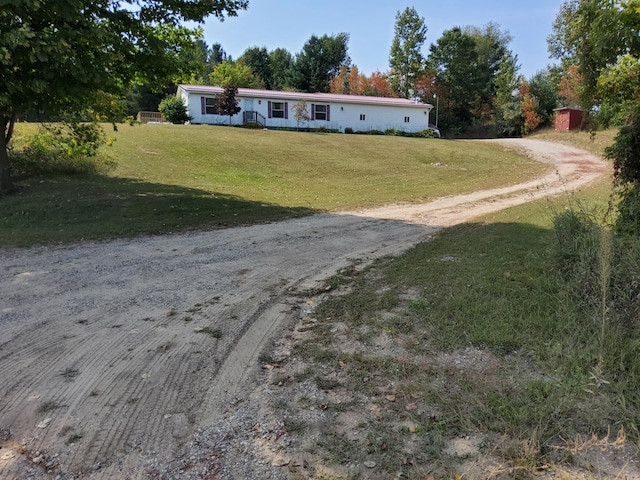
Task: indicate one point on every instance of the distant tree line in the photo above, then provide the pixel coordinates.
(470, 73)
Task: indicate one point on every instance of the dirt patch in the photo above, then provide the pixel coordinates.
(139, 358)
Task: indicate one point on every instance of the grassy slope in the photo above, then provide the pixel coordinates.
(172, 177)
(490, 286)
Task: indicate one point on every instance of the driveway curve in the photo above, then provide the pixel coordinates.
(115, 356)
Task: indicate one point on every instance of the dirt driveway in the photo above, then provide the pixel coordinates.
(133, 358)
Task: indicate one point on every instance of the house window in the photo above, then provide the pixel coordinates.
(320, 112)
(406, 119)
(277, 109)
(362, 116)
(209, 106)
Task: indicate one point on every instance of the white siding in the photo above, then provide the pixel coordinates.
(342, 115)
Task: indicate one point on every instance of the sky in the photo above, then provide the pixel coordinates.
(370, 24)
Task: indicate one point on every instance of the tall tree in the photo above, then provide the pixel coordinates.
(545, 89)
(454, 59)
(259, 61)
(492, 45)
(281, 62)
(319, 61)
(56, 55)
(591, 35)
(405, 58)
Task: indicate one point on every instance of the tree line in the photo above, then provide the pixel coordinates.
(469, 72)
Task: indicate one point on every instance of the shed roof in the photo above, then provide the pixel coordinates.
(315, 97)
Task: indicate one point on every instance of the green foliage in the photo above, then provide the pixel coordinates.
(55, 57)
(234, 73)
(259, 61)
(454, 58)
(280, 62)
(405, 58)
(545, 89)
(318, 62)
(66, 148)
(174, 110)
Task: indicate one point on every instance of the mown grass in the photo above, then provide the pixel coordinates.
(172, 178)
(482, 332)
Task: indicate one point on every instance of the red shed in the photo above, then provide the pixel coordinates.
(568, 119)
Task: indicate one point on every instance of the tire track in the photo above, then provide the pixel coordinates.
(115, 312)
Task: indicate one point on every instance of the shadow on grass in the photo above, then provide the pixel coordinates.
(67, 209)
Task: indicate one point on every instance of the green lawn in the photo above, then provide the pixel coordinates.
(172, 178)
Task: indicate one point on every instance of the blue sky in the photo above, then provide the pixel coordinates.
(290, 23)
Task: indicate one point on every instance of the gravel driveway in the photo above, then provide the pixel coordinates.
(136, 358)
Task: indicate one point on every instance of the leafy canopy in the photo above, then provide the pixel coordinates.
(56, 55)
(405, 58)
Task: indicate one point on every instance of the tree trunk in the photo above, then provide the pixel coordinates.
(6, 130)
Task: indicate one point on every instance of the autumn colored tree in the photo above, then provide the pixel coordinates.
(378, 86)
(349, 81)
(530, 117)
(227, 102)
(569, 87)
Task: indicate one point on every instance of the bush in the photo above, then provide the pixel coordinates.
(65, 148)
(628, 220)
(174, 110)
(348, 130)
(591, 258)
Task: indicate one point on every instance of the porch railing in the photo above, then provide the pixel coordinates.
(253, 117)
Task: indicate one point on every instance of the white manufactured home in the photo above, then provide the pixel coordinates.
(274, 109)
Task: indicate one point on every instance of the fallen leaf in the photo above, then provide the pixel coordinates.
(341, 363)
(411, 407)
(391, 398)
(369, 464)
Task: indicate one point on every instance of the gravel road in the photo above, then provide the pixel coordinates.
(139, 358)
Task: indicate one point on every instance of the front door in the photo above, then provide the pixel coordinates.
(248, 104)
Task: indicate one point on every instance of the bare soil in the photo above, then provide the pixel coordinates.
(140, 358)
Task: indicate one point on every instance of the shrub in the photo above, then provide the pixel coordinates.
(65, 148)
(174, 110)
(348, 130)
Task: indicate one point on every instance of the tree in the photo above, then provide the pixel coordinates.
(55, 56)
(349, 81)
(591, 35)
(318, 62)
(174, 110)
(281, 62)
(492, 45)
(227, 102)
(258, 60)
(234, 73)
(406, 59)
(545, 89)
(300, 113)
(378, 86)
(454, 59)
